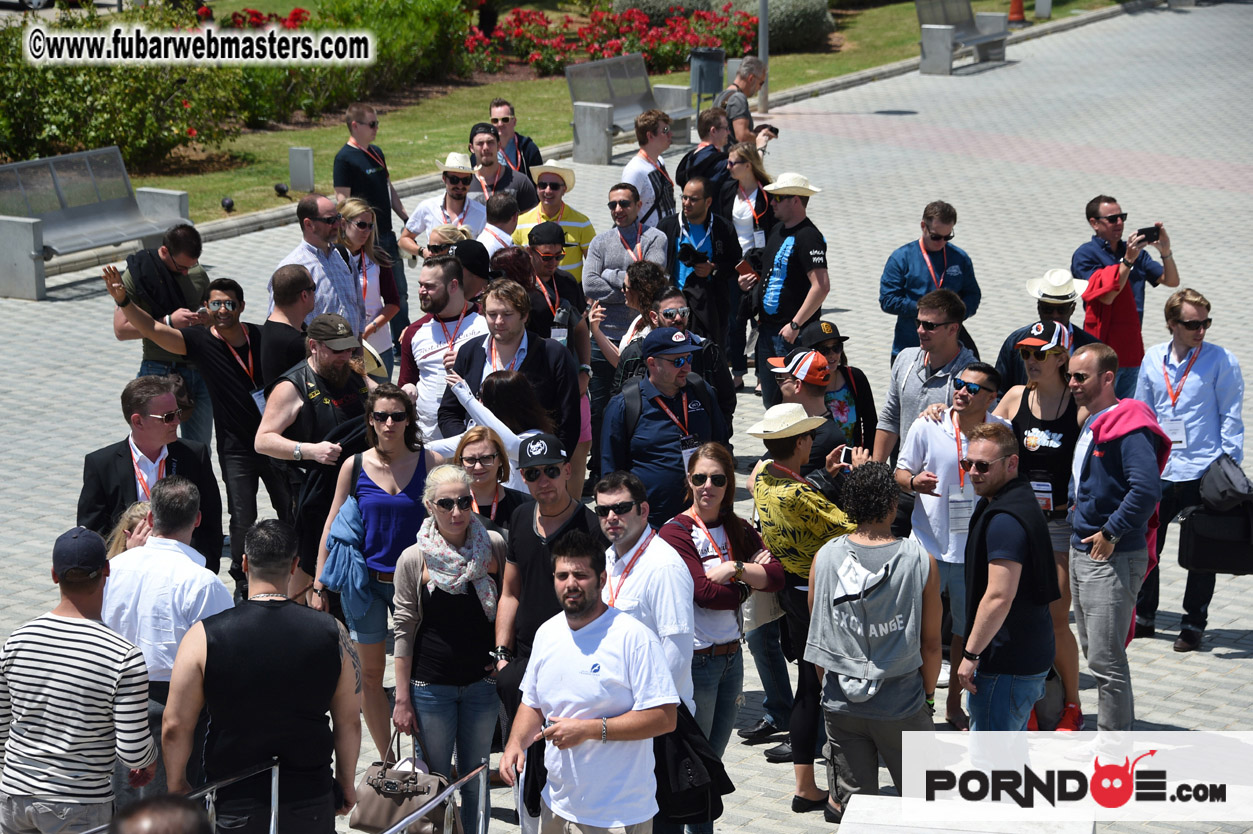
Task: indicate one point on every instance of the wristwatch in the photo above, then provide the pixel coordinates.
(295, 453)
(739, 570)
(1110, 536)
(795, 326)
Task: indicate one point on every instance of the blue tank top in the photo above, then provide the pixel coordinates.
(391, 521)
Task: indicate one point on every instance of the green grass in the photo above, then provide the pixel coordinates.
(415, 137)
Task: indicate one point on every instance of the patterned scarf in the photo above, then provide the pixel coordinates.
(453, 568)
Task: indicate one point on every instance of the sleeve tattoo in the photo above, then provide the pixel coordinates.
(346, 646)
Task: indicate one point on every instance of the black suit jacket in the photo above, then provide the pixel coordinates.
(551, 370)
(710, 298)
(109, 488)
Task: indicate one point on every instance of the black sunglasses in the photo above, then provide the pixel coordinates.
(531, 474)
(938, 238)
(699, 478)
(544, 186)
(603, 510)
(384, 416)
(455, 180)
(168, 417)
(830, 347)
(462, 503)
(980, 466)
(550, 258)
(329, 220)
(1196, 324)
(1114, 218)
(676, 312)
(622, 204)
(1037, 354)
(372, 124)
(972, 387)
(362, 224)
(1079, 377)
(931, 325)
(436, 248)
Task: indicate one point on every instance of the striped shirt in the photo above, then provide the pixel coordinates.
(578, 229)
(73, 697)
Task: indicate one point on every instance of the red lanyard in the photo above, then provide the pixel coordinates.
(682, 426)
(505, 243)
(495, 501)
(452, 340)
(796, 476)
(143, 480)
(552, 307)
(491, 349)
(723, 557)
(656, 165)
(926, 258)
(613, 592)
(456, 221)
(369, 153)
(247, 349)
(961, 473)
(752, 205)
(365, 279)
(1175, 392)
(483, 182)
(637, 254)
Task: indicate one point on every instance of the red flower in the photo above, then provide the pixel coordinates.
(204, 13)
(191, 131)
(186, 104)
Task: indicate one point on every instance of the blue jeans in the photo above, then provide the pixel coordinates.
(764, 643)
(718, 683)
(199, 426)
(371, 627)
(1003, 702)
(464, 716)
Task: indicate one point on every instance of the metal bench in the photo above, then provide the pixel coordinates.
(71, 203)
(949, 25)
(607, 96)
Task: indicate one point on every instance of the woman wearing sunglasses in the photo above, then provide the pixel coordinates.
(482, 454)
(374, 273)
(446, 596)
(728, 562)
(389, 493)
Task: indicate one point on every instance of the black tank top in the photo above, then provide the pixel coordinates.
(1045, 451)
(271, 668)
(452, 644)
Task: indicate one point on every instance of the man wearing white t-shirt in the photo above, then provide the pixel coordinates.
(647, 170)
(450, 208)
(597, 690)
(647, 577)
(429, 345)
(929, 465)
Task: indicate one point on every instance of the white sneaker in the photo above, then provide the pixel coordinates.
(945, 672)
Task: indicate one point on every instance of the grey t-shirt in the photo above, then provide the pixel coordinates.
(735, 103)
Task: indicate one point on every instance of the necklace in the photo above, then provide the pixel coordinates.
(268, 596)
(570, 502)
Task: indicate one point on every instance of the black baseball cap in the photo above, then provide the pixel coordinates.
(540, 450)
(79, 554)
(472, 256)
(818, 332)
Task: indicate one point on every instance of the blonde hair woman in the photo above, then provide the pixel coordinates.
(373, 269)
(132, 529)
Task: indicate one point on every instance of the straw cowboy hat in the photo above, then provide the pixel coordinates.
(457, 163)
(1057, 286)
(785, 420)
(788, 184)
(551, 167)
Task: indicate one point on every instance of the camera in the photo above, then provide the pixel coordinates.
(690, 256)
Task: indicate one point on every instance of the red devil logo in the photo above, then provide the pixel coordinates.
(1111, 785)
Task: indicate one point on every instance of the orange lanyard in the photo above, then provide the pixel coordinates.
(552, 307)
(370, 154)
(451, 340)
(961, 473)
(752, 205)
(365, 279)
(682, 426)
(483, 182)
(926, 258)
(491, 349)
(722, 557)
(505, 243)
(514, 165)
(796, 476)
(495, 501)
(143, 480)
(637, 254)
(247, 349)
(455, 220)
(1175, 392)
(656, 165)
(613, 592)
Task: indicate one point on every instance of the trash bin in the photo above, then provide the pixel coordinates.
(707, 65)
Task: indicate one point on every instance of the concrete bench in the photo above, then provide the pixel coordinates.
(949, 25)
(72, 203)
(607, 96)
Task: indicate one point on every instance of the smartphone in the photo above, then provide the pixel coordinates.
(1150, 233)
(846, 456)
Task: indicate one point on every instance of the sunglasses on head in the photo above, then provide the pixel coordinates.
(972, 387)
(465, 502)
(228, 305)
(1078, 376)
(1195, 324)
(676, 312)
(168, 417)
(937, 238)
(699, 478)
(384, 416)
(980, 466)
(622, 508)
(931, 325)
(531, 474)
(549, 186)
(362, 224)
(622, 204)
(1114, 218)
(453, 179)
(1037, 354)
(482, 460)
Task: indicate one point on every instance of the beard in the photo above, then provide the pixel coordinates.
(336, 375)
(580, 607)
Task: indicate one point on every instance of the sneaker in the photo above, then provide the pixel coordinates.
(1071, 720)
(945, 673)
(1032, 724)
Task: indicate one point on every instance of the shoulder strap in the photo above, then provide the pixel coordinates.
(356, 474)
(634, 401)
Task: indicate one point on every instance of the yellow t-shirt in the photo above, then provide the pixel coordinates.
(796, 520)
(578, 229)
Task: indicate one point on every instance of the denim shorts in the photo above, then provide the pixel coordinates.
(953, 580)
(372, 627)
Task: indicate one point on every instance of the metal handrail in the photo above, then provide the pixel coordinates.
(479, 772)
(213, 787)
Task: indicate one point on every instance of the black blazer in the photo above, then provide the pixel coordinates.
(710, 298)
(725, 205)
(552, 372)
(109, 488)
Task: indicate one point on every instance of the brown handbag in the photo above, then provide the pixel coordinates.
(385, 796)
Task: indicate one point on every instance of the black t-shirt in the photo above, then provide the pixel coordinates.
(568, 295)
(235, 413)
(538, 601)
(282, 348)
(522, 189)
(509, 501)
(367, 179)
(789, 257)
(1024, 643)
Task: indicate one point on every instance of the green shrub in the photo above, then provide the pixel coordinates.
(795, 25)
(659, 10)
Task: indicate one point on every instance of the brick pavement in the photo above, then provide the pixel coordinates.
(1151, 107)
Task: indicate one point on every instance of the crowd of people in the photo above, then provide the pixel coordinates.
(531, 486)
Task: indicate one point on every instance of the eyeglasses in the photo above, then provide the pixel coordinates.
(1036, 354)
(551, 472)
(680, 361)
(394, 416)
(699, 478)
(455, 180)
(1079, 377)
(621, 508)
(501, 120)
(465, 502)
(436, 248)
(1114, 218)
(547, 185)
(622, 204)
(980, 466)
(168, 417)
(482, 460)
(931, 325)
(184, 268)
(1196, 324)
(687, 198)
(665, 130)
(362, 224)
(675, 313)
(972, 387)
(938, 238)
(228, 305)
(329, 220)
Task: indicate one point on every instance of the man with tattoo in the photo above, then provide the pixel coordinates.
(268, 697)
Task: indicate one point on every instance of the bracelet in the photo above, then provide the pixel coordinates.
(502, 653)
(604, 730)
(911, 482)
(970, 655)
(1128, 263)
(125, 301)
(585, 369)
(1167, 256)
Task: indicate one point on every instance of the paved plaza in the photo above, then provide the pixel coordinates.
(1151, 107)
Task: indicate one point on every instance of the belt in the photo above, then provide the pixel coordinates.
(382, 577)
(719, 650)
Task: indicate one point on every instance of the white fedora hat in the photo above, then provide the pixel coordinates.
(1056, 286)
(785, 420)
(790, 183)
(457, 163)
(551, 167)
